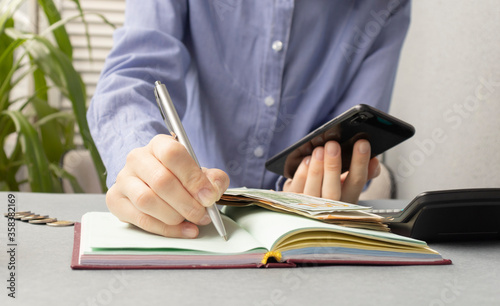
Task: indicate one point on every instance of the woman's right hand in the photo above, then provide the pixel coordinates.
(162, 190)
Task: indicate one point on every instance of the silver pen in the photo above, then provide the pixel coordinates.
(174, 125)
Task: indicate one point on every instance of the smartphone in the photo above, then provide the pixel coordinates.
(382, 130)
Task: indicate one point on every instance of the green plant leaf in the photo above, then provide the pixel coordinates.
(13, 164)
(6, 128)
(55, 116)
(6, 170)
(50, 132)
(48, 61)
(86, 25)
(6, 62)
(63, 174)
(40, 178)
(82, 15)
(7, 9)
(60, 34)
(58, 67)
(7, 86)
(9, 83)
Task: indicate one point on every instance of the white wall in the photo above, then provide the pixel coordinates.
(448, 87)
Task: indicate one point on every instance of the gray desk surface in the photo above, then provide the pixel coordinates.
(44, 274)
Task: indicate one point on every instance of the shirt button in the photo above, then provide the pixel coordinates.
(277, 45)
(259, 151)
(269, 101)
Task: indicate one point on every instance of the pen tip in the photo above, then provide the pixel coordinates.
(225, 237)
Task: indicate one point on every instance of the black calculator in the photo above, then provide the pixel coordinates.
(445, 215)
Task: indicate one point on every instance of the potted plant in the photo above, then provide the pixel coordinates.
(40, 133)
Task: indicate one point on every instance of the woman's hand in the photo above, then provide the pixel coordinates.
(162, 190)
(319, 174)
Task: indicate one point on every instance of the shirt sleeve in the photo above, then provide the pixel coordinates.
(123, 114)
(374, 81)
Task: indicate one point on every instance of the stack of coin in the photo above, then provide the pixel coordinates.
(34, 218)
(19, 214)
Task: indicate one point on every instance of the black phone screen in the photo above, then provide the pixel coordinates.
(382, 130)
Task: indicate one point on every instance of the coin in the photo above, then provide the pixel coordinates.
(24, 217)
(17, 217)
(33, 217)
(61, 223)
(43, 221)
(18, 213)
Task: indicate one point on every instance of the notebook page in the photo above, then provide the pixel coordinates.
(105, 231)
(268, 226)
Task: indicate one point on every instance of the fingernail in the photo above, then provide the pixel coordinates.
(364, 147)
(319, 153)
(332, 148)
(206, 197)
(189, 231)
(205, 220)
(308, 160)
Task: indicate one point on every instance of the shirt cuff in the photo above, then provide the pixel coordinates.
(279, 183)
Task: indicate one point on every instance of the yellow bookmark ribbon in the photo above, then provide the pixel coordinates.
(275, 254)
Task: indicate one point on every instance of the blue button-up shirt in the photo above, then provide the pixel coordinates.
(248, 78)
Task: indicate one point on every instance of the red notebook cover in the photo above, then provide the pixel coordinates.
(289, 264)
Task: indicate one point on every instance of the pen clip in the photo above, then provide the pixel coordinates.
(163, 115)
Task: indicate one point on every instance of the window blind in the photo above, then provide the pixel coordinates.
(90, 64)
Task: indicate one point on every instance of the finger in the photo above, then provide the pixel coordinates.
(299, 178)
(343, 176)
(287, 186)
(358, 172)
(146, 201)
(331, 188)
(123, 209)
(174, 156)
(315, 173)
(218, 178)
(374, 168)
(161, 194)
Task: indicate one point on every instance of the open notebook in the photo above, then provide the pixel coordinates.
(257, 237)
